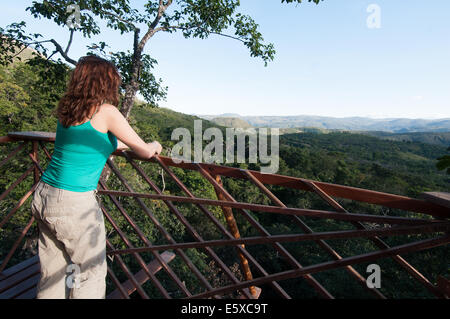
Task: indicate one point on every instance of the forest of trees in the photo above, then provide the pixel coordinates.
(28, 96)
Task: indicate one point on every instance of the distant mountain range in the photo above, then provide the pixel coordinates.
(392, 125)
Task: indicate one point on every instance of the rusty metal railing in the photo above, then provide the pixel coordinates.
(147, 269)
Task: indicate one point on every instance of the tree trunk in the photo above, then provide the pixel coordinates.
(128, 100)
(133, 86)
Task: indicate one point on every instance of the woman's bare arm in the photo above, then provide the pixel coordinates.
(119, 126)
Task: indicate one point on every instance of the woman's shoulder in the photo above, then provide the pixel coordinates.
(104, 117)
(108, 111)
(109, 116)
(108, 107)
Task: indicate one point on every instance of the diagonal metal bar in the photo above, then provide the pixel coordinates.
(16, 244)
(13, 152)
(16, 182)
(222, 229)
(36, 165)
(291, 260)
(18, 205)
(377, 241)
(44, 148)
(355, 274)
(34, 151)
(117, 283)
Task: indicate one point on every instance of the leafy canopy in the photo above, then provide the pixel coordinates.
(193, 18)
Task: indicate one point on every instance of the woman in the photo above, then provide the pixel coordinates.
(72, 241)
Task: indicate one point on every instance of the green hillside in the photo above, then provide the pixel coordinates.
(159, 123)
(366, 161)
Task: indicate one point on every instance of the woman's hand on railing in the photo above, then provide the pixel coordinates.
(146, 151)
(155, 148)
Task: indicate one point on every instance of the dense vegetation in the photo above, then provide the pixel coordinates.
(27, 101)
(366, 162)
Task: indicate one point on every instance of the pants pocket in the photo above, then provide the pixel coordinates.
(62, 227)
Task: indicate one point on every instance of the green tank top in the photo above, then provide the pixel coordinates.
(79, 157)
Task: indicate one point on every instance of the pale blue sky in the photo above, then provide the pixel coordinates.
(328, 61)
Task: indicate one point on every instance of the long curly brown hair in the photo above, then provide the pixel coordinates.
(93, 82)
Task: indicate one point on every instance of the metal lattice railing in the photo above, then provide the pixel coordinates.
(150, 260)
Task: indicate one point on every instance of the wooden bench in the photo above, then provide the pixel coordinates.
(20, 281)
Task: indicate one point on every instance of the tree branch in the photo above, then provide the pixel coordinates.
(119, 18)
(18, 53)
(50, 56)
(61, 51)
(57, 46)
(187, 28)
(70, 41)
(228, 36)
(151, 30)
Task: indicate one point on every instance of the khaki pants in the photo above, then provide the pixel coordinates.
(72, 243)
